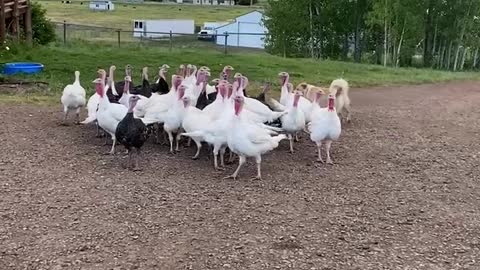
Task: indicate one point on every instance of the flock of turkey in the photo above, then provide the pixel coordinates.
(221, 115)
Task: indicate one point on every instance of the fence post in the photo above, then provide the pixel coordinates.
(226, 42)
(118, 37)
(171, 40)
(64, 32)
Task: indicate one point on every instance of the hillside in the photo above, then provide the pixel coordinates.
(124, 14)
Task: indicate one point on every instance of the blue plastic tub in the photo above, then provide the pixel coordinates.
(22, 67)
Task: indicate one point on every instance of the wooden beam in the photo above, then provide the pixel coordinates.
(3, 29)
(28, 24)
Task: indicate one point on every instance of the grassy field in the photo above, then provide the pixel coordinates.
(124, 14)
(61, 62)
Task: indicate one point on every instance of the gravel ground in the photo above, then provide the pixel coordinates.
(404, 194)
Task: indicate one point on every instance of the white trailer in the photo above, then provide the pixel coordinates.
(162, 28)
(208, 31)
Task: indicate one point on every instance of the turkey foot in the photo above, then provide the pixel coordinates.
(241, 161)
(233, 176)
(319, 150)
(259, 170)
(290, 138)
(199, 146)
(327, 146)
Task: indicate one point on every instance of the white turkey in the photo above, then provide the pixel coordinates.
(73, 98)
(249, 140)
(194, 119)
(340, 88)
(325, 127)
(125, 99)
(286, 96)
(171, 118)
(260, 112)
(294, 120)
(108, 114)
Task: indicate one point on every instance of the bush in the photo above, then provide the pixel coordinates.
(246, 2)
(42, 29)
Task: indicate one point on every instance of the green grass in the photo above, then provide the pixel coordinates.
(124, 14)
(61, 62)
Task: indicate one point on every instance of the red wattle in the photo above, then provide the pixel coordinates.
(237, 108)
(331, 104)
(99, 89)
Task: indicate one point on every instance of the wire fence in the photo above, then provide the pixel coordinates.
(225, 42)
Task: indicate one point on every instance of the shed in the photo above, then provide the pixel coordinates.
(247, 30)
(101, 5)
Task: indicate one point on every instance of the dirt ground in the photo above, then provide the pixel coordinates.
(404, 194)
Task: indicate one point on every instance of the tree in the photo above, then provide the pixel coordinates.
(42, 29)
(430, 33)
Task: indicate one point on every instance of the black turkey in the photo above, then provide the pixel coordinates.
(143, 89)
(161, 86)
(132, 133)
(120, 85)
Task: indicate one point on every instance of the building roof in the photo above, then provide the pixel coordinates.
(255, 10)
(259, 11)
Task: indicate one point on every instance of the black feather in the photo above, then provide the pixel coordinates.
(131, 132)
(161, 87)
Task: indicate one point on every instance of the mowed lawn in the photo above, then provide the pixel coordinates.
(124, 14)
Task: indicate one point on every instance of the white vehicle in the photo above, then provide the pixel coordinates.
(162, 28)
(209, 31)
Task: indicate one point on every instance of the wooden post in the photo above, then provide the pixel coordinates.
(118, 37)
(64, 32)
(171, 40)
(3, 30)
(226, 42)
(28, 24)
(16, 21)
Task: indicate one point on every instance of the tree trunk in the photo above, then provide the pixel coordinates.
(442, 55)
(397, 62)
(462, 63)
(312, 40)
(475, 57)
(435, 39)
(427, 49)
(449, 55)
(320, 32)
(385, 40)
(394, 52)
(457, 55)
(358, 28)
(460, 40)
(345, 47)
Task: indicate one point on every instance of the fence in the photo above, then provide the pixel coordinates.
(225, 42)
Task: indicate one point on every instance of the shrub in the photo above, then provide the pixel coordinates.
(43, 29)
